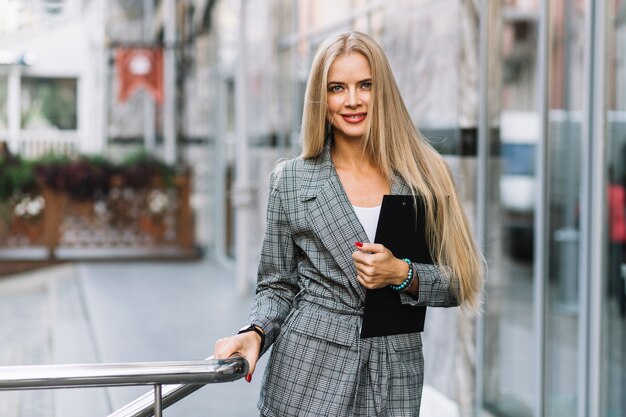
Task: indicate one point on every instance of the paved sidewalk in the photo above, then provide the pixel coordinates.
(168, 311)
(120, 312)
(129, 312)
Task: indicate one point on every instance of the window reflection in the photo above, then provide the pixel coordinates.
(49, 103)
(519, 135)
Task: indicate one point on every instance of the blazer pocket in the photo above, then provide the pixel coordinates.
(405, 342)
(331, 328)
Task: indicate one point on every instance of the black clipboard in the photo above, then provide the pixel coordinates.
(402, 229)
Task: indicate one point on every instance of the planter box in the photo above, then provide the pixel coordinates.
(151, 222)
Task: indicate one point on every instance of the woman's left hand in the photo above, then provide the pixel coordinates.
(376, 266)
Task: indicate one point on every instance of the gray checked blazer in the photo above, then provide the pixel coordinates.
(310, 305)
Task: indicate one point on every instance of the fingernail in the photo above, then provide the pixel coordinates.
(249, 378)
(358, 244)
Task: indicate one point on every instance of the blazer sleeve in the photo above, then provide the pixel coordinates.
(435, 288)
(277, 278)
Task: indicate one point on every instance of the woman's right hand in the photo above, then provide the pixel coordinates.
(245, 344)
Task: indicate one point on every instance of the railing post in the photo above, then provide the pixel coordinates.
(185, 217)
(158, 401)
(53, 217)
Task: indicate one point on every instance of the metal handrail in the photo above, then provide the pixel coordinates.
(143, 406)
(192, 375)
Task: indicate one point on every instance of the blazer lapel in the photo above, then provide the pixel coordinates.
(399, 186)
(331, 215)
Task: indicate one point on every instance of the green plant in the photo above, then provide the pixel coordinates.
(84, 177)
(87, 177)
(140, 168)
(16, 175)
(81, 178)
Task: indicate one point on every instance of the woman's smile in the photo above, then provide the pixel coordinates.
(354, 118)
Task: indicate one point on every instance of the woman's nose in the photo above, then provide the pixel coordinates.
(353, 98)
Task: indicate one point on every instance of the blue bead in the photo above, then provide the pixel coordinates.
(408, 279)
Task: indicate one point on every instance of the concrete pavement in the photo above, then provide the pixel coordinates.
(129, 312)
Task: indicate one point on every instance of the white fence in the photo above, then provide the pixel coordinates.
(36, 143)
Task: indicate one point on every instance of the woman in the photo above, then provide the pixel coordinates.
(317, 260)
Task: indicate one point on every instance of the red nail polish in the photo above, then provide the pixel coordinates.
(249, 378)
(358, 244)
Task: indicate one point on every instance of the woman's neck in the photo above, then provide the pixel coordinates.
(363, 181)
(350, 154)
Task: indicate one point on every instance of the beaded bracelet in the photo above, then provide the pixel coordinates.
(407, 282)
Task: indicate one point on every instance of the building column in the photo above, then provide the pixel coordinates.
(169, 73)
(149, 117)
(13, 108)
(243, 193)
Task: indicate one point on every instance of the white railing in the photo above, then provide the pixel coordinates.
(36, 143)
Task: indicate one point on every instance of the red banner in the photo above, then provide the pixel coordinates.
(139, 68)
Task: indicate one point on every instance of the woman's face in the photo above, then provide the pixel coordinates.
(348, 95)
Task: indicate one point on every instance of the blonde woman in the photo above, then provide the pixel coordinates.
(317, 261)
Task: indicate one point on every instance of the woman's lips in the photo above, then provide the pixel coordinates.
(354, 118)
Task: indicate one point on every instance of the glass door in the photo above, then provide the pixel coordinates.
(613, 357)
(508, 325)
(565, 115)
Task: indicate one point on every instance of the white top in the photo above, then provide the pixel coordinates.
(368, 216)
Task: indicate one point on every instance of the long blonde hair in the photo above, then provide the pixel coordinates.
(396, 146)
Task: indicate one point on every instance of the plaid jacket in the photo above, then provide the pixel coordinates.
(310, 305)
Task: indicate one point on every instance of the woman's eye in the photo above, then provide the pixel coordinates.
(335, 88)
(366, 85)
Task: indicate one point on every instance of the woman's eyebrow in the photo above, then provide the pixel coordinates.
(358, 82)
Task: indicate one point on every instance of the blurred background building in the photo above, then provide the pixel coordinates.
(525, 98)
